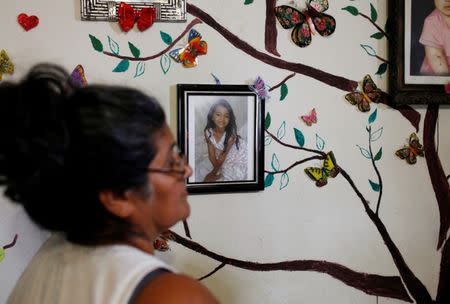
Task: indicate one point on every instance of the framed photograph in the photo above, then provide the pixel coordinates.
(419, 51)
(220, 131)
(106, 10)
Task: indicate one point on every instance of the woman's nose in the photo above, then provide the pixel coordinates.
(188, 171)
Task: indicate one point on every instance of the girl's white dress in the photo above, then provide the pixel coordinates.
(235, 166)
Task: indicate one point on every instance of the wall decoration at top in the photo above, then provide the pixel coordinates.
(27, 22)
(306, 23)
(166, 10)
(188, 55)
(416, 77)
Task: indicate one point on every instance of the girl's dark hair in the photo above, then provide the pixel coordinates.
(231, 128)
(61, 146)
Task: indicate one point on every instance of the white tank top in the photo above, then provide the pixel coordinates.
(63, 272)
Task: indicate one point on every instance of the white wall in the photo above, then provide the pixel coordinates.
(299, 222)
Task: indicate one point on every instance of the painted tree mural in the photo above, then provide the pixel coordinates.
(406, 286)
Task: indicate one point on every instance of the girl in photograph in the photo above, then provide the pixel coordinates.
(436, 40)
(227, 151)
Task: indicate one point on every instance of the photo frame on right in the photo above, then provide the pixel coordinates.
(412, 79)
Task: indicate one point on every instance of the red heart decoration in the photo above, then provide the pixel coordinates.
(27, 22)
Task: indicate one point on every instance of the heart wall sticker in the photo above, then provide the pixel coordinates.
(27, 22)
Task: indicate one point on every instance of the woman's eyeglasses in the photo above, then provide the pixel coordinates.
(178, 166)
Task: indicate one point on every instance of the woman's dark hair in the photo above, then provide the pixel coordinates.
(61, 146)
(231, 128)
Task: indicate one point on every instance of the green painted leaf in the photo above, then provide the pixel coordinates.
(113, 46)
(166, 37)
(373, 13)
(267, 121)
(140, 69)
(134, 50)
(320, 143)
(284, 91)
(268, 181)
(369, 50)
(375, 186)
(165, 63)
(364, 152)
(275, 162)
(246, 2)
(96, 44)
(351, 9)
(281, 130)
(122, 66)
(267, 140)
(373, 116)
(378, 35)
(382, 69)
(284, 180)
(379, 154)
(299, 137)
(376, 135)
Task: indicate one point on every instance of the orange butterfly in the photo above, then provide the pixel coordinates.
(188, 55)
(410, 152)
(369, 94)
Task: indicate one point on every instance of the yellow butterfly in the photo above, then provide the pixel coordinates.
(6, 66)
(329, 169)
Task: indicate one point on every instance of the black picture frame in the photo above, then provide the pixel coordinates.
(406, 85)
(243, 169)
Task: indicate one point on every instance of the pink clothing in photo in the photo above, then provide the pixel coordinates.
(435, 33)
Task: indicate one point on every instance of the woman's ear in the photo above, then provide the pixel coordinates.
(120, 205)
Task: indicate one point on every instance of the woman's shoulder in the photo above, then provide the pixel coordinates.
(175, 288)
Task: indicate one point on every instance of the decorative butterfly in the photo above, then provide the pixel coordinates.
(6, 65)
(369, 94)
(161, 243)
(259, 87)
(188, 55)
(77, 78)
(329, 169)
(310, 119)
(410, 152)
(128, 16)
(305, 22)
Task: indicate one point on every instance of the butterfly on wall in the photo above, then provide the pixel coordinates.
(412, 150)
(310, 119)
(259, 87)
(128, 16)
(77, 78)
(304, 23)
(6, 65)
(370, 93)
(188, 55)
(329, 169)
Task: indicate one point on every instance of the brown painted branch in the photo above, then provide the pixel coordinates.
(330, 79)
(443, 292)
(188, 27)
(437, 175)
(384, 286)
(381, 59)
(413, 284)
(213, 272)
(281, 83)
(408, 112)
(270, 34)
(295, 164)
(12, 243)
(374, 24)
(323, 154)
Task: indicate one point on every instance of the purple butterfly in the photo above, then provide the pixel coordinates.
(77, 78)
(260, 88)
